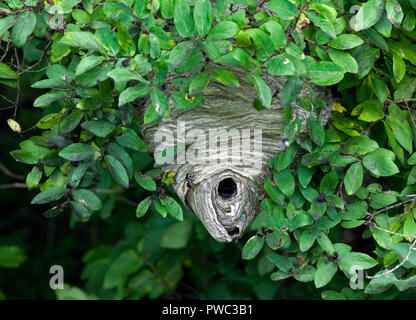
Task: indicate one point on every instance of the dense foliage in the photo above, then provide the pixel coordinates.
(345, 204)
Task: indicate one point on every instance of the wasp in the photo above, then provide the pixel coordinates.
(188, 179)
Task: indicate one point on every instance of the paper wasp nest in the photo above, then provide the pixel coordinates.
(220, 173)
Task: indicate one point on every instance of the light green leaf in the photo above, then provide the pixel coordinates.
(88, 63)
(252, 247)
(87, 198)
(284, 9)
(353, 178)
(224, 30)
(176, 236)
(50, 194)
(324, 272)
(325, 73)
(23, 28)
(182, 18)
(117, 170)
(142, 207)
(380, 163)
(203, 16)
(78, 152)
(225, 77)
(263, 91)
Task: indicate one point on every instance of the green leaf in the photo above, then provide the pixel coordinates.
(125, 264)
(224, 30)
(380, 163)
(225, 77)
(400, 127)
(143, 206)
(263, 43)
(307, 239)
(324, 242)
(176, 236)
(11, 257)
(50, 83)
(306, 274)
(75, 174)
(81, 16)
(203, 17)
(180, 54)
(332, 295)
(252, 247)
(117, 170)
(412, 159)
(24, 157)
(51, 194)
(81, 39)
(285, 182)
(349, 262)
(409, 227)
(130, 139)
(182, 18)
(304, 175)
(290, 91)
(381, 200)
(70, 122)
(7, 73)
(316, 131)
(346, 42)
(399, 67)
(286, 158)
(284, 9)
(344, 60)
(325, 270)
(325, 73)
(108, 40)
(78, 152)
(166, 8)
(277, 34)
(88, 63)
(199, 82)
(353, 178)
(145, 182)
(23, 28)
(324, 24)
(280, 66)
(299, 221)
(368, 15)
(394, 12)
(360, 145)
(132, 93)
(33, 178)
(263, 91)
(281, 262)
(123, 75)
(329, 182)
(87, 198)
(47, 98)
(160, 102)
(6, 23)
(100, 128)
(369, 111)
(173, 207)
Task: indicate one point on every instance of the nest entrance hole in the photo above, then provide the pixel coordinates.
(227, 188)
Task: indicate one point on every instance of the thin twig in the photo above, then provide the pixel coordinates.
(9, 173)
(397, 266)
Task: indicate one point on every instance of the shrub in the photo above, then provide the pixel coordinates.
(354, 179)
